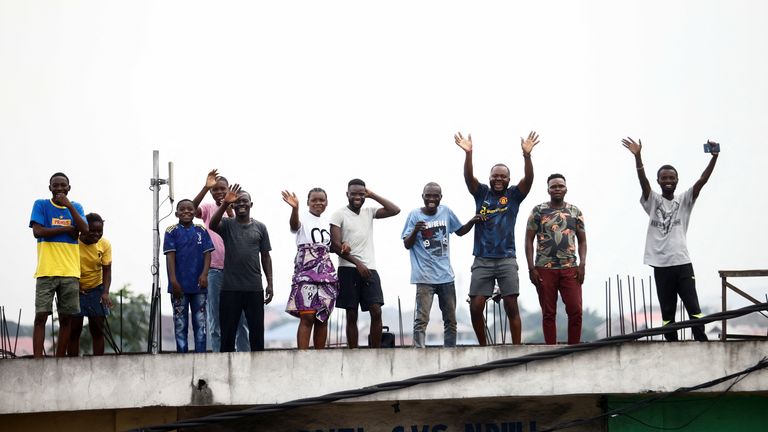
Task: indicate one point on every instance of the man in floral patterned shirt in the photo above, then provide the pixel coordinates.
(557, 225)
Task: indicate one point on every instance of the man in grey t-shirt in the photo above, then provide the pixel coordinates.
(246, 244)
(665, 243)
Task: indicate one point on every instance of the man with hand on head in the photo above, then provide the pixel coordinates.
(56, 224)
(352, 240)
(666, 247)
(495, 259)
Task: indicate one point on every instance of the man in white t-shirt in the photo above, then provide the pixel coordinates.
(352, 240)
(665, 243)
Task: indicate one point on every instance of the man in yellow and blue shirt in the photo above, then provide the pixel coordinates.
(56, 224)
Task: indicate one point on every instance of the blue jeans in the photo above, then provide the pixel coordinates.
(446, 296)
(181, 308)
(242, 344)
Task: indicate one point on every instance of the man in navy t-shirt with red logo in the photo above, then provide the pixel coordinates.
(495, 258)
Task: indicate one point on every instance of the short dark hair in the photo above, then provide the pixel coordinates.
(357, 182)
(668, 167)
(178, 204)
(245, 192)
(58, 174)
(501, 165)
(222, 178)
(432, 184)
(93, 217)
(554, 176)
(317, 189)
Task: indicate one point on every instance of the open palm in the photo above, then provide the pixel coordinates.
(231, 195)
(291, 199)
(210, 181)
(464, 143)
(529, 143)
(632, 146)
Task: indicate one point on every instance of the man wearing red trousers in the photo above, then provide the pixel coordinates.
(557, 226)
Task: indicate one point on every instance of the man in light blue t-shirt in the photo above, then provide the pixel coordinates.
(426, 235)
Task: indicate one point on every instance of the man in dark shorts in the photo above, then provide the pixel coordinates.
(494, 251)
(352, 240)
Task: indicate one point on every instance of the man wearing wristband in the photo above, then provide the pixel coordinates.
(495, 261)
(665, 244)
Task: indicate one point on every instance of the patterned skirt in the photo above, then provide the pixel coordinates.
(315, 284)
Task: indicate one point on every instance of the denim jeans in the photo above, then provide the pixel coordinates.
(215, 280)
(446, 296)
(181, 308)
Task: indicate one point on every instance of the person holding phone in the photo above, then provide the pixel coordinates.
(665, 245)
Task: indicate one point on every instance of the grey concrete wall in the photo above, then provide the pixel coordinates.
(131, 381)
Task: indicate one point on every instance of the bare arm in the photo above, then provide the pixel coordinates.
(210, 181)
(467, 227)
(527, 145)
(469, 176)
(342, 249)
(290, 198)
(705, 175)
(229, 198)
(266, 265)
(336, 240)
(581, 236)
(530, 235)
(389, 209)
(106, 280)
(40, 231)
(202, 280)
(170, 261)
(635, 148)
(80, 225)
(410, 239)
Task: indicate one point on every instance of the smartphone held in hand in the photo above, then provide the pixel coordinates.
(712, 147)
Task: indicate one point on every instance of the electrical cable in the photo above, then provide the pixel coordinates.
(465, 371)
(109, 337)
(164, 217)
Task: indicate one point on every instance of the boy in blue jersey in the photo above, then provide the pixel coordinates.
(494, 251)
(56, 224)
(187, 248)
(425, 235)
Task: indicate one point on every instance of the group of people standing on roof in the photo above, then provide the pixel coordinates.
(216, 270)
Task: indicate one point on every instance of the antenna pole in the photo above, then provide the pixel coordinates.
(155, 336)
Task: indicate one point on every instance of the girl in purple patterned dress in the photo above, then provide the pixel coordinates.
(315, 285)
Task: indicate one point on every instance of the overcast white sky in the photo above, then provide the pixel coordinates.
(297, 94)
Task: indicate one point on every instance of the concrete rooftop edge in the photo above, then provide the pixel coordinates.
(275, 376)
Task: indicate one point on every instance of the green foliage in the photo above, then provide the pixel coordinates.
(129, 323)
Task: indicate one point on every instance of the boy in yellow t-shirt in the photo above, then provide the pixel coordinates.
(95, 280)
